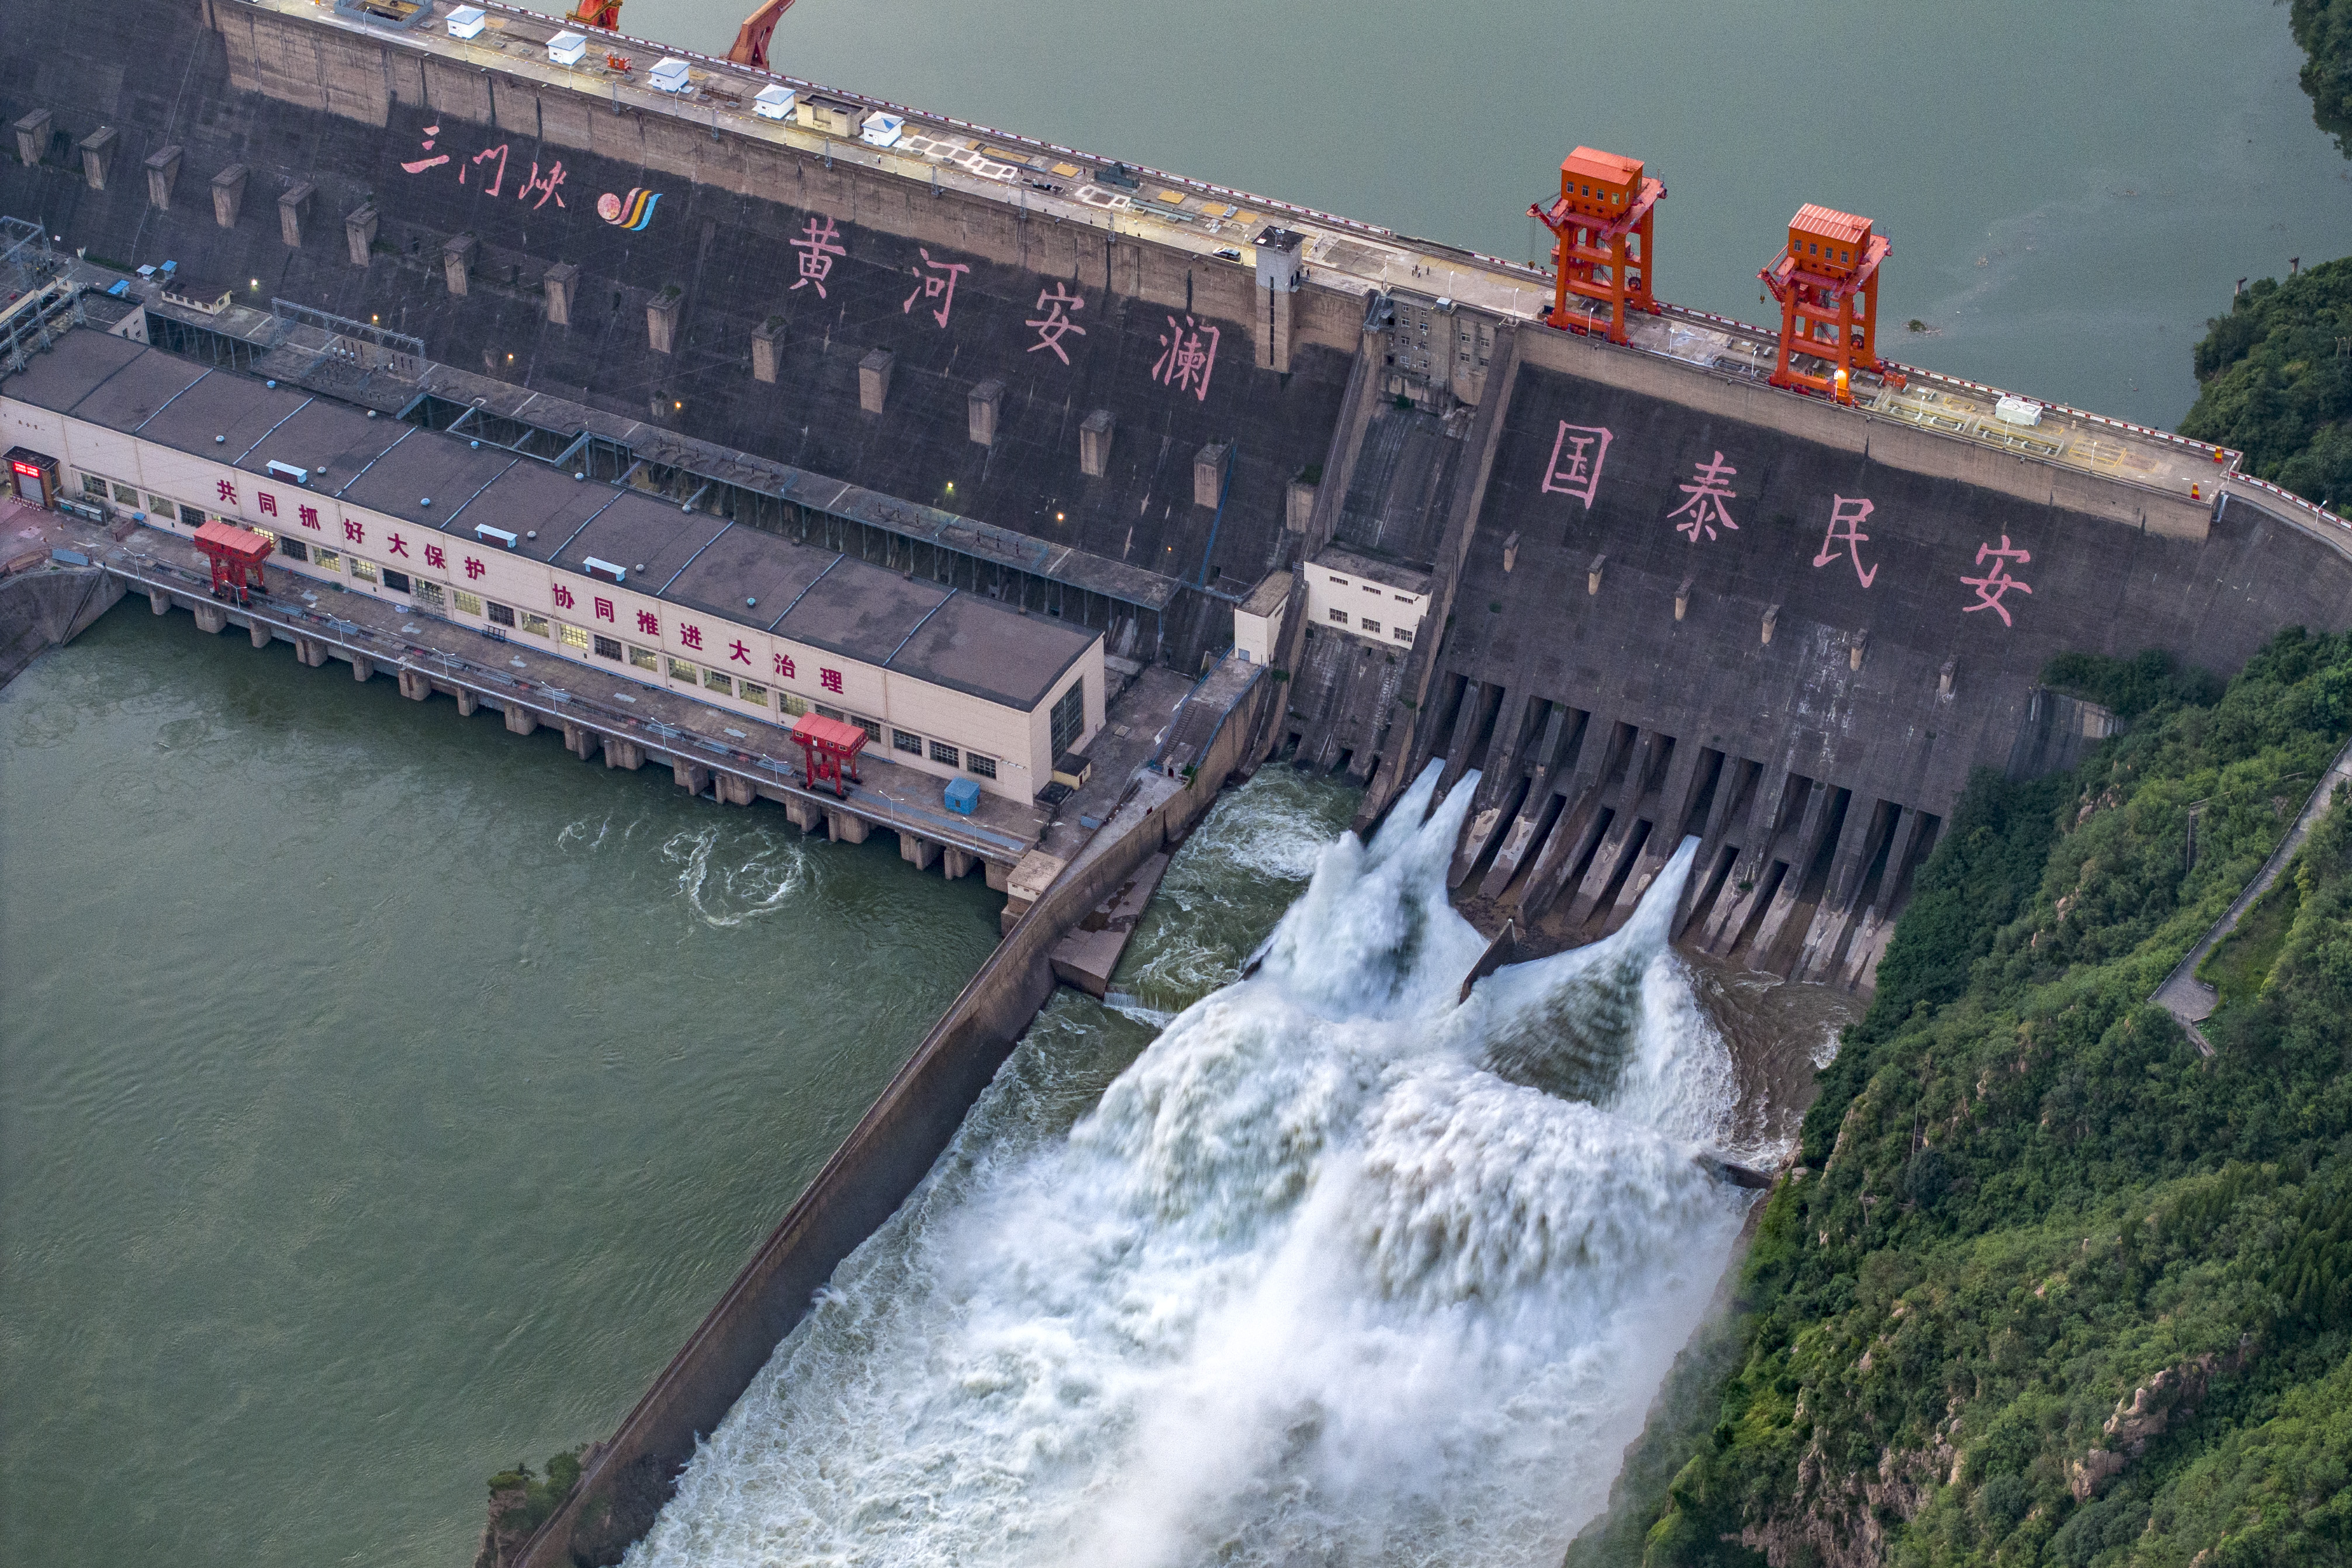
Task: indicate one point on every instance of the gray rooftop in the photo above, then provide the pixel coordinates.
(1396, 574)
(957, 640)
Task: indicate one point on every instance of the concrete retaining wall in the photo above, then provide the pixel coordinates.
(45, 609)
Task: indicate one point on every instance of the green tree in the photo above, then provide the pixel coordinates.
(2276, 375)
(2323, 28)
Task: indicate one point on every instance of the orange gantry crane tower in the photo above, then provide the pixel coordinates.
(1602, 228)
(751, 38)
(1826, 280)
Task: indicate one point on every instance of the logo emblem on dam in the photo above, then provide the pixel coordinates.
(632, 212)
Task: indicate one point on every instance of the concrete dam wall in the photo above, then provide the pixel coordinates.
(1646, 595)
(893, 350)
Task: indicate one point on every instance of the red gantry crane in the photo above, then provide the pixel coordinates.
(751, 38)
(1826, 280)
(1603, 221)
(604, 14)
(827, 744)
(236, 554)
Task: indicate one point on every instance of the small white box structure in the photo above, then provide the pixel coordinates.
(2017, 411)
(468, 21)
(883, 129)
(667, 76)
(775, 102)
(567, 48)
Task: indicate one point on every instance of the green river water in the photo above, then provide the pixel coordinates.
(385, 1095)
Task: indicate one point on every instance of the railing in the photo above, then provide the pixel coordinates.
(555, 704)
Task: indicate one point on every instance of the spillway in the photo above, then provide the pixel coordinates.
(1335, 1270)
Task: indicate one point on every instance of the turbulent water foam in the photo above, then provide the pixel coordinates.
(1336, 1272)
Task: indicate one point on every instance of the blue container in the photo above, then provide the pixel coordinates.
(963, 797)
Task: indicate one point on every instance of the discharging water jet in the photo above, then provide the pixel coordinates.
(1340, 1268)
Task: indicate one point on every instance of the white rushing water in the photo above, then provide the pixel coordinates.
(1336, 1272)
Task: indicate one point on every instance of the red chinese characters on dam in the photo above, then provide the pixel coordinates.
(1846, 517)
(820, 246)
(1706, 507)
(1577, 454)
(938, 283)
(1998, 582)
(487, 170)
(1186, 357)
(1056, 324)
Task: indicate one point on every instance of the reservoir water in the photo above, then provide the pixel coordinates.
(2072, 190)
(383, 1097)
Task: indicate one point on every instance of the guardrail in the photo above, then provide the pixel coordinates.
(557, 705)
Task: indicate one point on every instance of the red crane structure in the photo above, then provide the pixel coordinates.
(236, 555)
(1826, 280)
(751, 38)
(604, 14)
(1602, 247)
(826, 745)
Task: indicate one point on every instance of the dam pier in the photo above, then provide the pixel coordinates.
(754, 428)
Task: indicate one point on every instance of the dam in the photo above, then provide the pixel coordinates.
(1286, 484)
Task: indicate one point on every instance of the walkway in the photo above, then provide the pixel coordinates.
(2190, 1000)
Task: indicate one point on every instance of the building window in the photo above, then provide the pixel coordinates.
(364, 570)
(606, 647)
(468, 603)
(832, 713)
(1372, 625)
(430, 593)
(1370, 588)
(1070, 717)
(873, 729)
(1404, 598)
(126, 495)
(906, 740)
(753, 694)
(679, 670)
(293, 550)
(397, 581)
(91, 485)
(719, 681)
(500, 614)
(570, 636)
(538, 625)
(328, 560)
(1403, 634)
(942, 752)
(793, 706)
(159, 507)
(192, 517)
(644, 659)
(983, 766)
(1338, 617)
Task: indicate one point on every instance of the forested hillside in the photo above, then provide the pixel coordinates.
(2051, 1286)
(2275, 381)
